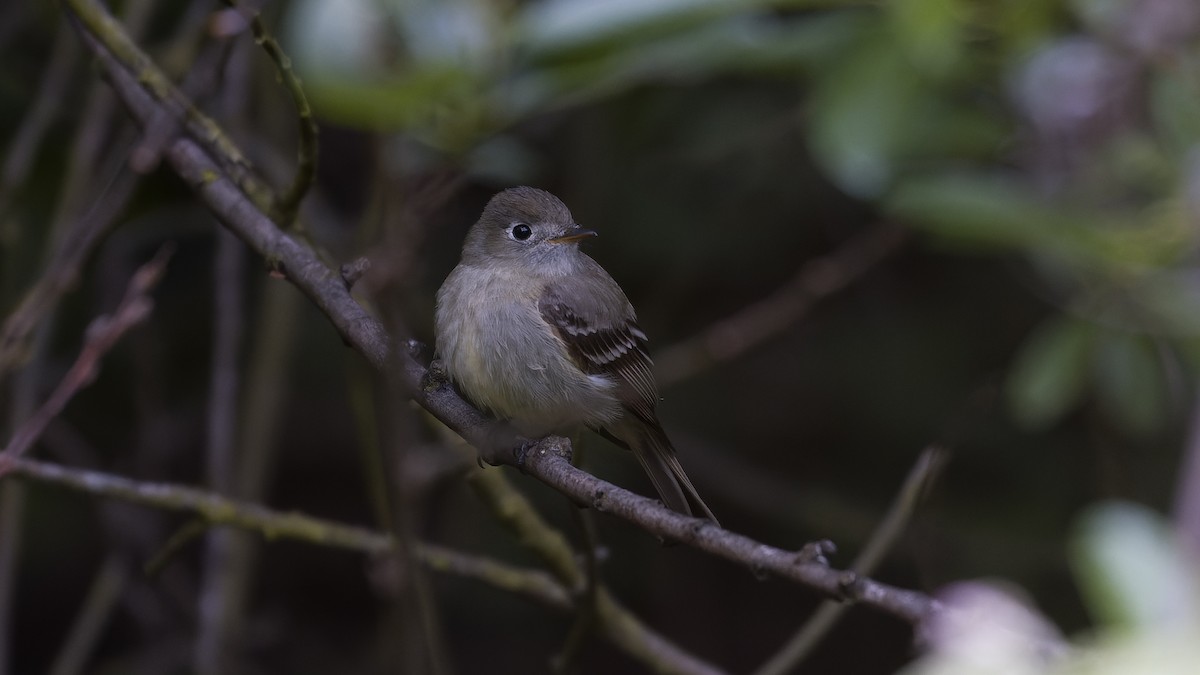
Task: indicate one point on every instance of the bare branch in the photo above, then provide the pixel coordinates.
(98, 608)
(534, 584)
(548, 462)
(306, 165)
(750, 326)
(620, 625)
(22, 149)
(920, 478)
(97, 27)
(271, 524)
(102, 334)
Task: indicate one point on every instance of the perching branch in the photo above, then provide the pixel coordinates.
(549, 462)
(362, 332)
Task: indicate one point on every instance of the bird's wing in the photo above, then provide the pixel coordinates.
(616, 349)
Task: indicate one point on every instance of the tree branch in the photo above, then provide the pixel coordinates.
(102, 334)
(736, 334)
(616, 622)
(306, 155)
(916, 485)
(218, 510)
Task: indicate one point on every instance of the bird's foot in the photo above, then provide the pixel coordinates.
(521, 450)
(503, 445)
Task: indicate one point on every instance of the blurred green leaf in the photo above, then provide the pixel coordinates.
(1175, 108)
(930, 32)
(1140, 163)
(464, 33)
(336, 39)
(1049, 374)
(991, 210)
(1162, 651)
(1173, 300)
(862, 114)
(445, 106)
(1131, 570)
(1130, 383)
(999, 211)
(741, 44)
(1101, 16)
(557, 28)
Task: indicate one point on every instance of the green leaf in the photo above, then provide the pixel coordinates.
(734, 45)
(1131, 570)
(445, 106)
(864, 115)
(930, 32)
(568, 26)
(1000, 211)
(1049, 375)
(988, 209)
(1130, 384)
(1175, 108)
(327, 39)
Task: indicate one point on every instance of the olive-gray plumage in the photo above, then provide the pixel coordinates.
(534, 331)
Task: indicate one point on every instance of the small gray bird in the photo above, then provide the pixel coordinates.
(535, 332)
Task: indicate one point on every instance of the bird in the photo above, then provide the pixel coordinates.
(536, 333)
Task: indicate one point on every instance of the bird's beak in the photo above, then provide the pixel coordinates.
(574, 234)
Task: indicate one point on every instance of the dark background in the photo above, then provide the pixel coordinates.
(1037, 316)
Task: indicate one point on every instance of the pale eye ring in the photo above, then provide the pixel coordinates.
(521, 231)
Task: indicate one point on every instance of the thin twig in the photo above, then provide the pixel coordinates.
(306, 154)
(98, 607)
(71, 250)
(920, 478)
(585, 615)
(266, 384)
(22, 149)
(97, 26)
(12, 511)
(620, 625)
(217, 510)
(534, 584)
(175, 544)
(215, 627)
(102, 335)
(750, 326)
(213, 508)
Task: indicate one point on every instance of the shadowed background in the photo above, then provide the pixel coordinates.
(935, 221)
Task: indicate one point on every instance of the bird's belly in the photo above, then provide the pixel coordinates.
(507, 360)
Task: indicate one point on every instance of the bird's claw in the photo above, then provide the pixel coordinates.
(521, 451)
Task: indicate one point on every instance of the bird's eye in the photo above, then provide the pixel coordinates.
(521, 231)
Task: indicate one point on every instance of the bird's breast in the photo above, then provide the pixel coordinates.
(502, 354)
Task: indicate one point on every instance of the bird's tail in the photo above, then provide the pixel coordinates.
(657, 456)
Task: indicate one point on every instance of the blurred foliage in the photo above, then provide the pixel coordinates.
(1043, 320)
(1141, 585)
(993, 125)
